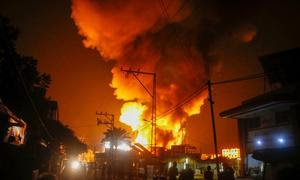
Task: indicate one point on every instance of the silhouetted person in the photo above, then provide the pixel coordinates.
(227, 174)
(103, 171)
(208, 174)
(173, 171)
(181, 175)
(109, 171)
(187, 174)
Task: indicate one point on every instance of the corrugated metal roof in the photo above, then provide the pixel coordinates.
(5, 110)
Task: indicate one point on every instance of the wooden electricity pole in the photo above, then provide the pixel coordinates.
(109, 119)
(213, 123)
(209, 84)
(153, 96)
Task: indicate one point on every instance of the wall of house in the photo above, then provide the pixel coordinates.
(271, 129)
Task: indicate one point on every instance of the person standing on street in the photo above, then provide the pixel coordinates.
(173, 171)
(208, 174)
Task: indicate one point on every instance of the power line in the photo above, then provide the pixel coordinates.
(153, 96)
(84, 126)
(32, 102)
(195, 93)
(254, 76)
(164, 9)
(180, 9)
(183, 102)
(109, 119)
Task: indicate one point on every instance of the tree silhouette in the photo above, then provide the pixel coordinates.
(115, 136)
(22, 89)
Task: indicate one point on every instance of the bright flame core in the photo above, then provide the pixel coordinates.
(170, 129)
(132, 114)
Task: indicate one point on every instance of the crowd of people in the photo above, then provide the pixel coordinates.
(188, 173)
(173, 174)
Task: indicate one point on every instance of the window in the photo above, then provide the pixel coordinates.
(282, 117)
(253, 123)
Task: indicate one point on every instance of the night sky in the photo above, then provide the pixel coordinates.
(80, 78)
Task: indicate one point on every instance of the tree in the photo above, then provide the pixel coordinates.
(23, 89)
(115, 136)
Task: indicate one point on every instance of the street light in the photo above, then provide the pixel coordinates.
(107, 144)
(281, 140)
(75, 165)
(259, 142)
(124, 146)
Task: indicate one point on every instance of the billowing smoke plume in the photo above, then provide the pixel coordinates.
(176, 39)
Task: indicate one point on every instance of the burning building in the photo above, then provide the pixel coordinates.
(167, 38)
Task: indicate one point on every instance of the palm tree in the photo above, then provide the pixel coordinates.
(115, 136)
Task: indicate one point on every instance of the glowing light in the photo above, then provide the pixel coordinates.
(280, 140)
(232, 153)
(87, 157)
(107, 144)
(134, 114)
(259, 142)
(141, 139)
(124, 147)
(75, 165)
(205, 156)
(131, 114)
(170, 165)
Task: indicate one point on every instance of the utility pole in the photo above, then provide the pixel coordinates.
(109, 119)
(209, 84)
(213, 123)
(153, 96)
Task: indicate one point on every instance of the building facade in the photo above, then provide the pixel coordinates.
(269, 123)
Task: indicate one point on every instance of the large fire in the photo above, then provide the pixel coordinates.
(134, 115)
(166, 37)
(135, 35)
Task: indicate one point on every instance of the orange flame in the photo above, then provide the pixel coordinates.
(135, 34)
(132, 114)
(171, 129)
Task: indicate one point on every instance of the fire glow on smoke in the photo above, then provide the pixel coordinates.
(153, 36)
